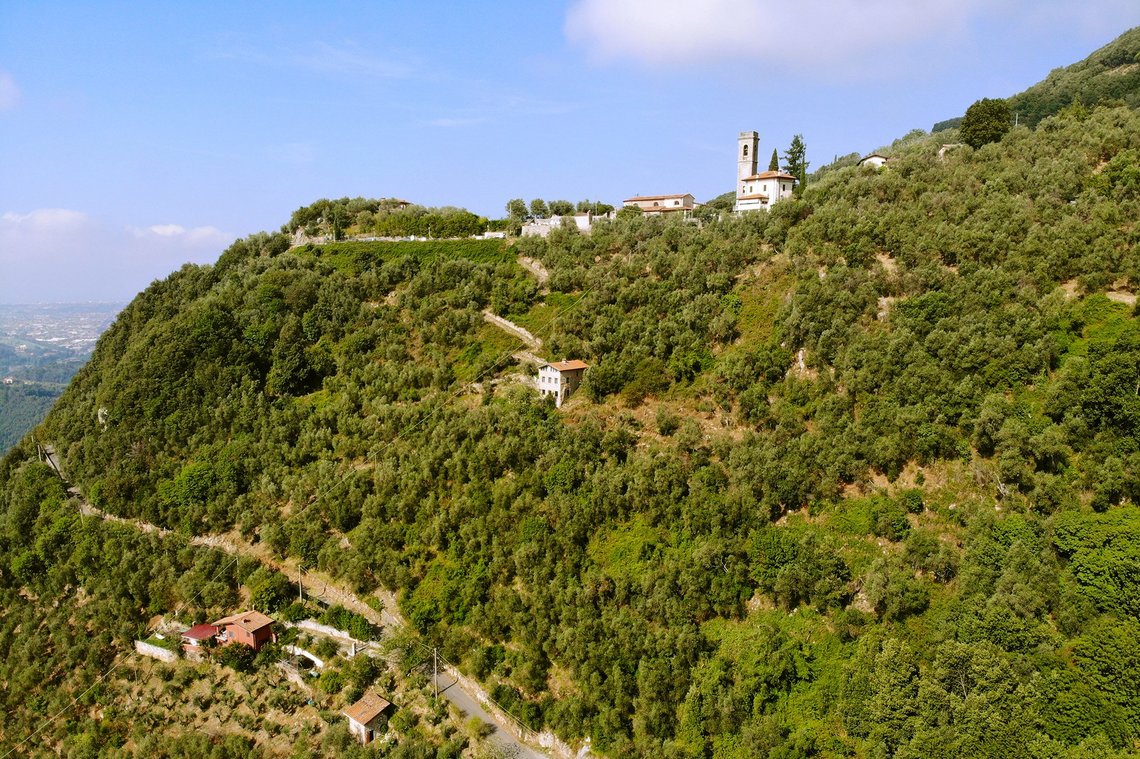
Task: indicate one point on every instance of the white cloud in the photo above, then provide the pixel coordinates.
(9, 92)
(44, 220)
(194, 237)
(58, 254)
(677, 32)
(834, 37)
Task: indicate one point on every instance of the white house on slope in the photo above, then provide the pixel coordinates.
(875, 161)
(755, 191)
(659, 205)
(560, 379)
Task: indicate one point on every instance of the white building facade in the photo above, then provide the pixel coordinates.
(756, 191)
(658, 205)
(560, 379)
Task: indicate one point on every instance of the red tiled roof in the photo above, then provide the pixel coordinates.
(656, 197)
(200, 632)
(250, 621)
(369, 707)
(769, 175)
(753, 197)
(569, 366)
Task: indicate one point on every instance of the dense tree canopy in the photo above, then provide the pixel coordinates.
(986, 121)
(853, 477)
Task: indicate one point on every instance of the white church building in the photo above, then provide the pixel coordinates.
(757, 190)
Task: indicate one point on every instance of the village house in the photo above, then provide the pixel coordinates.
(560, 379)
(658, 205)
(543, 227)
(251, 628)
(755, 191)
(875, 160)
(197, 638)
(364, 717)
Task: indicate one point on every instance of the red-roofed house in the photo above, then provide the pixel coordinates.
(251, 628)
(364, 716)
(198, 637)
(560, 379)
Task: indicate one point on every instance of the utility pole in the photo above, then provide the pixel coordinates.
(300, 587)
(435, 671)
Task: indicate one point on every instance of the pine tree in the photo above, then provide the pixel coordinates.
(774, 164)
(794, 162)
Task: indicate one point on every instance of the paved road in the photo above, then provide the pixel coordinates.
(511, 747)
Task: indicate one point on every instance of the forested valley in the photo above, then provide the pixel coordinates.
(855, 477)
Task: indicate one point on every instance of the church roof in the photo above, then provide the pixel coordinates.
(769, 175)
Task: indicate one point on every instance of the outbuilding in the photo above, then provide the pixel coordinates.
(365, 716)
(198, 638)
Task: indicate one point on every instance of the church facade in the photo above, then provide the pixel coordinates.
(755, 191)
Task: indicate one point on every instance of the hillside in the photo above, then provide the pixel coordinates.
(857, 477)
(1111, 73)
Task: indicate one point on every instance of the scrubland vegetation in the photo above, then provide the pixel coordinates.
(856, 477)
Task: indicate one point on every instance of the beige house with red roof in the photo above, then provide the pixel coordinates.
(658, 205)
(364, 717)
(251, 628)
(757, 190)
(560, 379)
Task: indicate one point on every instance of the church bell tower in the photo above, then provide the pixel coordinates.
(749, 143)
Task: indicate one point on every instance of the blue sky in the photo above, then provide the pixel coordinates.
(135, 137)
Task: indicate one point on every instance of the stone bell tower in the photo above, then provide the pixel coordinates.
(749, 143)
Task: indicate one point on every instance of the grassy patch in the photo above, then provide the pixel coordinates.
(1104, 321)
(760, 301)
(353, 257)
(852, 517)
(490, 345)
(541, 315)
(624, 552)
